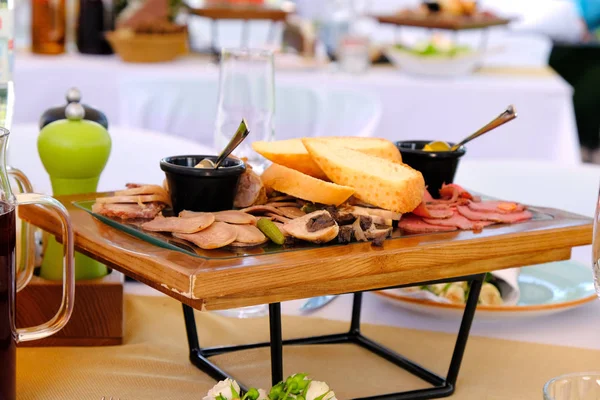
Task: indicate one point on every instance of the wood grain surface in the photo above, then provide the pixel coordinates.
(449, 23)
(97, 318)
(240, 12)
(257, 279)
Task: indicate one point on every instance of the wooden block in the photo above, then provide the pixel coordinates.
(97, 318)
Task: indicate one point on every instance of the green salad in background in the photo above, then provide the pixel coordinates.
(437, 46)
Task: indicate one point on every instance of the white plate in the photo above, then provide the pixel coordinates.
(545, 289)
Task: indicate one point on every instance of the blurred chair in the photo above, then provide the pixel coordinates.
(349, 113)
(179, 106)
(187, 108)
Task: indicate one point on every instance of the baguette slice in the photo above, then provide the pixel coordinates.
(304, 187)
(380, 182)
(292, 153)
(377, 147)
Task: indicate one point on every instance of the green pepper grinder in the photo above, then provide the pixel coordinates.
(74, 152)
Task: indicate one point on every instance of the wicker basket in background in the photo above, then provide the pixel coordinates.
(148, 48)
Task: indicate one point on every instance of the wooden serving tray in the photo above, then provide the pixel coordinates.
(221, 283)
(245, 12)
(455, 23)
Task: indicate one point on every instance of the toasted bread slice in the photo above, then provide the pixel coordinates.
(292, 153)
(374, 146)
(377, 181)
(304, 187)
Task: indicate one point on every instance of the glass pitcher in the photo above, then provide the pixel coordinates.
(13, 279)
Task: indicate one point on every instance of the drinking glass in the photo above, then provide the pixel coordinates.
(584, 385)
(13, 278)
(578, 386)
(246, 90)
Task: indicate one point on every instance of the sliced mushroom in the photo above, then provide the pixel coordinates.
(359, 234)
(298, 228)
(180, 225)
(378, 212)
(279, 218)
(319, 222)
(346, 234)
(343, 215)
(219, 234)
(378, 236)
(249, 234)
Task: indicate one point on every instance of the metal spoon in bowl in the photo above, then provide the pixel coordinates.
(236, 140)
(508, 115)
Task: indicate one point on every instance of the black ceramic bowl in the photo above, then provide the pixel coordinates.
(201, 189)
(437, 167)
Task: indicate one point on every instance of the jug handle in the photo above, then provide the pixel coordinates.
(27, 262)
(68, 296)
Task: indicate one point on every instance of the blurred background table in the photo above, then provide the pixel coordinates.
(179, 98)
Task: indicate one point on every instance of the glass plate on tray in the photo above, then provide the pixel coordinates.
(164, 240)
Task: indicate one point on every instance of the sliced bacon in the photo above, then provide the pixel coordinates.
(451, 189)
(460, 222)
(424, 210)
(502, 207)
(427, 197)
(413, 224)
(180, 225)
(492, 216)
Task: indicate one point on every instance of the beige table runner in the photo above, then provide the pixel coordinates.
(153, 361)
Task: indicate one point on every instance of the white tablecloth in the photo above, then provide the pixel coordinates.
(411, 108)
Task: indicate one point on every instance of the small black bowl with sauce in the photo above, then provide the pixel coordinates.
(437, 167)
(201, 189)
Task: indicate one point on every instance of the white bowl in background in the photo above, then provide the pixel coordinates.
(434, 65)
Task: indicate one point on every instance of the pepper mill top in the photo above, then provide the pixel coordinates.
(74, 112)
(73, 96)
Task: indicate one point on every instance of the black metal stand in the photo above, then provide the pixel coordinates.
(441, 387)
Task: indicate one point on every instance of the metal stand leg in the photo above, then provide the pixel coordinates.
(276, 343)
(441, 387)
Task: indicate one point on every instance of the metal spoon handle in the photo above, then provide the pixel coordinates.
(235, 141)
(508, 115)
